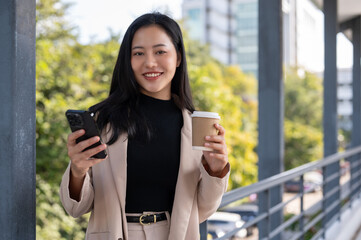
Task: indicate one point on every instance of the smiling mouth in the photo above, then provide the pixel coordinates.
(152, 75)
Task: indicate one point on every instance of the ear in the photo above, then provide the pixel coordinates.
(179, 58)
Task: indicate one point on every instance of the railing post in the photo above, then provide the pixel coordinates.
(330, 104)
(270, 111)
(203, 230)
(17, 120)
(301, 221)
(356, 103)
(264, 226)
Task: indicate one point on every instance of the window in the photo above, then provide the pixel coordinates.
(245, 58)
(194, 23)
(247, 7)
(250, 40)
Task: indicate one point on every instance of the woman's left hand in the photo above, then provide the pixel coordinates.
(218, 158)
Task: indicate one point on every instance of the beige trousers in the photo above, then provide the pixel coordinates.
(153, 231)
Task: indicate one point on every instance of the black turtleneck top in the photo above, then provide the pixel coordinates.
(152, 166)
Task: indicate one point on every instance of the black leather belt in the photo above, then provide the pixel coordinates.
(147, 219)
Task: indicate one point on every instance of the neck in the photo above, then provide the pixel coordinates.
(159, 96)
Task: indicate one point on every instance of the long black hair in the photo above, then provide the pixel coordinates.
(121, 108)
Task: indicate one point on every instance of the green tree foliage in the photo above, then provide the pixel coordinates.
(51, 23)
(231, 93)
(302, 144)
(68, 75)
(303, 98)
(303, 118)
(51, 220)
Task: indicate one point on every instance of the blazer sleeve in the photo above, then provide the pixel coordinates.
(71, 206)
(210, 192)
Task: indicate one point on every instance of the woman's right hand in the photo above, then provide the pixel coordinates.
(82, 161)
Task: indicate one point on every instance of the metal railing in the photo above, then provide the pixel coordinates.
(311, 217)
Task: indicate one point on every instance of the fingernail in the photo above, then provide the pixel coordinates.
(211, 154)
(206, 144)
(208, 137)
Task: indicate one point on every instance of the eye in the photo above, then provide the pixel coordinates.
(138, 54)
(160, 52)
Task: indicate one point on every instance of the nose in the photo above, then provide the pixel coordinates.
(150, 61)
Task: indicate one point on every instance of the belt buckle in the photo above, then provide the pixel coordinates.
(146, 215)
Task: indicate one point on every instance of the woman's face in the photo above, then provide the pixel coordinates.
(154, 60)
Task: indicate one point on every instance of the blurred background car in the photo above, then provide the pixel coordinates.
(220, 223)
(312, 181)
(247, 212)
(215, 233)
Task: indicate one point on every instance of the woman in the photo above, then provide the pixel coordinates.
(152, 185)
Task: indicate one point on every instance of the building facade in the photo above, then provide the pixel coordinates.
(212, 22)
(344, 98)
(230, 28)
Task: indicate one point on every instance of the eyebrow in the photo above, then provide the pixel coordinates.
(154, 46)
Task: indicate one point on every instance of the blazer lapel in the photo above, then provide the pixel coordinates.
(118, 162)
(117, 157)
(188, 177)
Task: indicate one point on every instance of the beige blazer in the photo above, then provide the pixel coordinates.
(197, 194)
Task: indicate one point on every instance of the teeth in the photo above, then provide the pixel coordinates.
(152, 74)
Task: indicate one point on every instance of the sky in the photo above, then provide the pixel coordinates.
(95, 18)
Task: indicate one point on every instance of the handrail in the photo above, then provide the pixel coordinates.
(279, 179)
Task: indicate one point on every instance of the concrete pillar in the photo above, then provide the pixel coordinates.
(356, 102)
(271, 107)
(17, 120)
(330, 107)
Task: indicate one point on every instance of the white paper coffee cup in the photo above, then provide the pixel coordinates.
(203, 125)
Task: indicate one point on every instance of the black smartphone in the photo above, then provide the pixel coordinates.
(80, 119)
